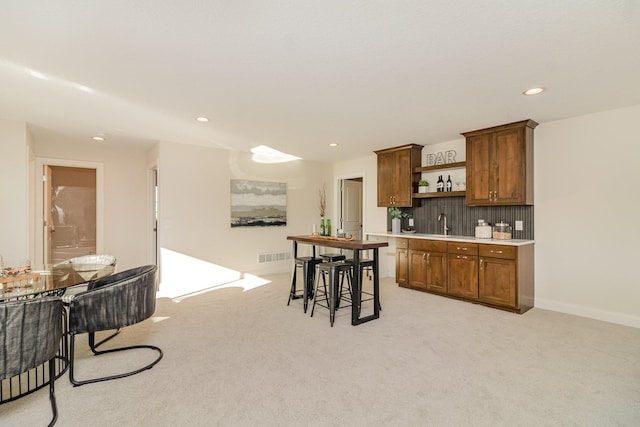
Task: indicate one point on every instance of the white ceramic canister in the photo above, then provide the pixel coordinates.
(483, 230)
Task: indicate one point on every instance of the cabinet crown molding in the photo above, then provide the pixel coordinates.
(523, 123)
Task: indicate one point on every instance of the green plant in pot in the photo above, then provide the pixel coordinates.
(396, 215)
(423, 186)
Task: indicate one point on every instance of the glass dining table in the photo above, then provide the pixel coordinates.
(49, 280)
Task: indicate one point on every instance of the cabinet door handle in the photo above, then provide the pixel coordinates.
(428, 259)
(462, 257)
(424, 256)
(481, 263)
(462, 249)
(495, 252)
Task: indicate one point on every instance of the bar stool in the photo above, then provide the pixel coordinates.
(308, 266)
(336, 271)
(332, 257)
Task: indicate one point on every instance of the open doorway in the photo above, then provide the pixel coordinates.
(72, 213)
(350, 191)
(70, 210)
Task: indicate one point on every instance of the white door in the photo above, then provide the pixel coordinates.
(351, 203)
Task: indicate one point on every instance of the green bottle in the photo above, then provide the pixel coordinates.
(322, 228)
(328, 229)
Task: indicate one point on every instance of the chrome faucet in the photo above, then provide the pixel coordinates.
(445, 229)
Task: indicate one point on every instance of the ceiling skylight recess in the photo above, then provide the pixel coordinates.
(264, 154)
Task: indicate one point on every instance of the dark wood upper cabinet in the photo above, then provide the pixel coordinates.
(500, 165)
(396, 177)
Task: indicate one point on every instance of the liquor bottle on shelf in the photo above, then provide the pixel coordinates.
(440, 184)
(449, 185)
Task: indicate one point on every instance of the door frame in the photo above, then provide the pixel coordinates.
(40, 218)
(337, 197)
(153, 205)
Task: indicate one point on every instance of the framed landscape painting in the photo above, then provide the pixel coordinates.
(258, 204)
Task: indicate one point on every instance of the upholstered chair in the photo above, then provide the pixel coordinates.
(30, 335)
(110, 303)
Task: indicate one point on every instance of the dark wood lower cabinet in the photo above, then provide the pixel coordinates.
(463, 276)
(427, 265)
(499, 276)
(437, 271)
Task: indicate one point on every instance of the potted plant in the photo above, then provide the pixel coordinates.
(396, 219)
(423, 186)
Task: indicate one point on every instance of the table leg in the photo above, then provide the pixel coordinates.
(333, 279)
(355, 288)
(376, 285)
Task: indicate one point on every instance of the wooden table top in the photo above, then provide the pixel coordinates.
(334, 242)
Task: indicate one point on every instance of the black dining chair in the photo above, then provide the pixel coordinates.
(30, 336)
(111, 303)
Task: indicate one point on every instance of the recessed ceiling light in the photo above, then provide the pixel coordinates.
(533, 91)
(202, 119)
(333, 144)
(98, 138)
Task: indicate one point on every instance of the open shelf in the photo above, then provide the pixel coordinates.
(440, 167)
(439, 194)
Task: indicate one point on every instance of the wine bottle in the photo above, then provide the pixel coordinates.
(440, 184)
(449, 185)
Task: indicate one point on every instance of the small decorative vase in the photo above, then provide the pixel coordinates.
(396, 225)
(423, 189)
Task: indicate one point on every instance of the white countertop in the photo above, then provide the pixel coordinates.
(467, 239)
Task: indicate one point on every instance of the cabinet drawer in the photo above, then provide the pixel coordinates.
(428, 245)
(462, 248)
(402, 243)
(498, 251)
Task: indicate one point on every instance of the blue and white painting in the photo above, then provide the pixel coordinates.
(258, 204)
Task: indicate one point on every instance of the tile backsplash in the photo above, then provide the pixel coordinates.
(462, 219)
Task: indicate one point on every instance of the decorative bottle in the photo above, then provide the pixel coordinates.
(328, 228)
(322, 227)
(449, 185)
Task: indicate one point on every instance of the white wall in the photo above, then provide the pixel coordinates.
(374, 217)
(126, 220)
(586, 215)
(14, 190)
(195, 203)
(587, 200)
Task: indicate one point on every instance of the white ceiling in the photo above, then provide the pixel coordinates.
(299, 74)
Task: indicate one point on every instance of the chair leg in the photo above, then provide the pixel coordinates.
(52, 394)
(315, 292)
(92, 341)
(77, 383)
(292, 292)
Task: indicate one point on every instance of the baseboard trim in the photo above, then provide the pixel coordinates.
(590, 312)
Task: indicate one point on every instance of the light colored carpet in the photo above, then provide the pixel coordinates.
(235, 358)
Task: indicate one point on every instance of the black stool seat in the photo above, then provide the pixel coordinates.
(308, 266)
(336, 271)
(333, 257)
